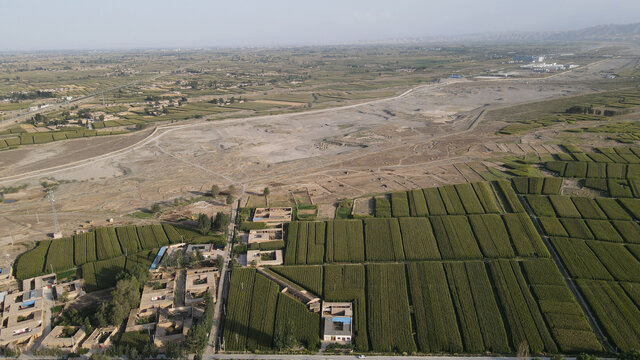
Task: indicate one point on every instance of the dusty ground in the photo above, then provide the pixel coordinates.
(430, 136)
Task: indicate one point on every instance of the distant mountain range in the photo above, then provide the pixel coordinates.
(612, 32)
(600, 32)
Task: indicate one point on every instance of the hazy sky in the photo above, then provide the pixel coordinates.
(99, 24)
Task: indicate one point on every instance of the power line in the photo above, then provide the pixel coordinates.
(56, 227)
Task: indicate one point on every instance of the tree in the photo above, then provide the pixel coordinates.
(97, 356)
(221, 222)
(240, 248)
(64, 297)
(219, 244)
(174, 350)
(266, 191)
(204, 223)
(630, 355)
(155, 208)
(124, 297)
(84, 113)
(215, 190)
(231, 189)
(87, 325)
(285, 336)
(230, 199)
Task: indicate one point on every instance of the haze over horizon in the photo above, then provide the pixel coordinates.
(119, 24)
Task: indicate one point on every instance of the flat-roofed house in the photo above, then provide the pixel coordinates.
(22, 317)
(71, 289)
(272, 215)
(337, 320)
(100, 338)
(264, 235)
(197, 283)
(267, 257)
(64, 338)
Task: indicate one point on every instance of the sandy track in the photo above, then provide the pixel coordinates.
(156, 134)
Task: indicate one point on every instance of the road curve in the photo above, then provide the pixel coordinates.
(162, 130)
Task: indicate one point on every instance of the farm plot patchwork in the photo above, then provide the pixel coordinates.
(459, 199)
(538, 185)
(100, 244)
(601, 219)
(258, 315)
(309, 277)
(616, 311)
(396, 239)
(347, 283)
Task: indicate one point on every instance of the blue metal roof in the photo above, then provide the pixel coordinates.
(345, 320)
(158, 257)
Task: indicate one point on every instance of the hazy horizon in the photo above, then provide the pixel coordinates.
(85, 25)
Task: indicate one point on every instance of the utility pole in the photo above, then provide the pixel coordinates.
(56, 228)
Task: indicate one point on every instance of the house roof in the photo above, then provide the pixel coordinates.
(333, 328)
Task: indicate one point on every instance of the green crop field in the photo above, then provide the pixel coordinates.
(453, 269)
(617, 312)
(383, 207)
(87, 248)
(383, 241)
(32, 262)
(492, 236)
(388, 313)
(418, 239)
(308, 277)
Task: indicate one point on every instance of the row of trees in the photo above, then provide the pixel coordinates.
(230, 101)
(231, 190)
